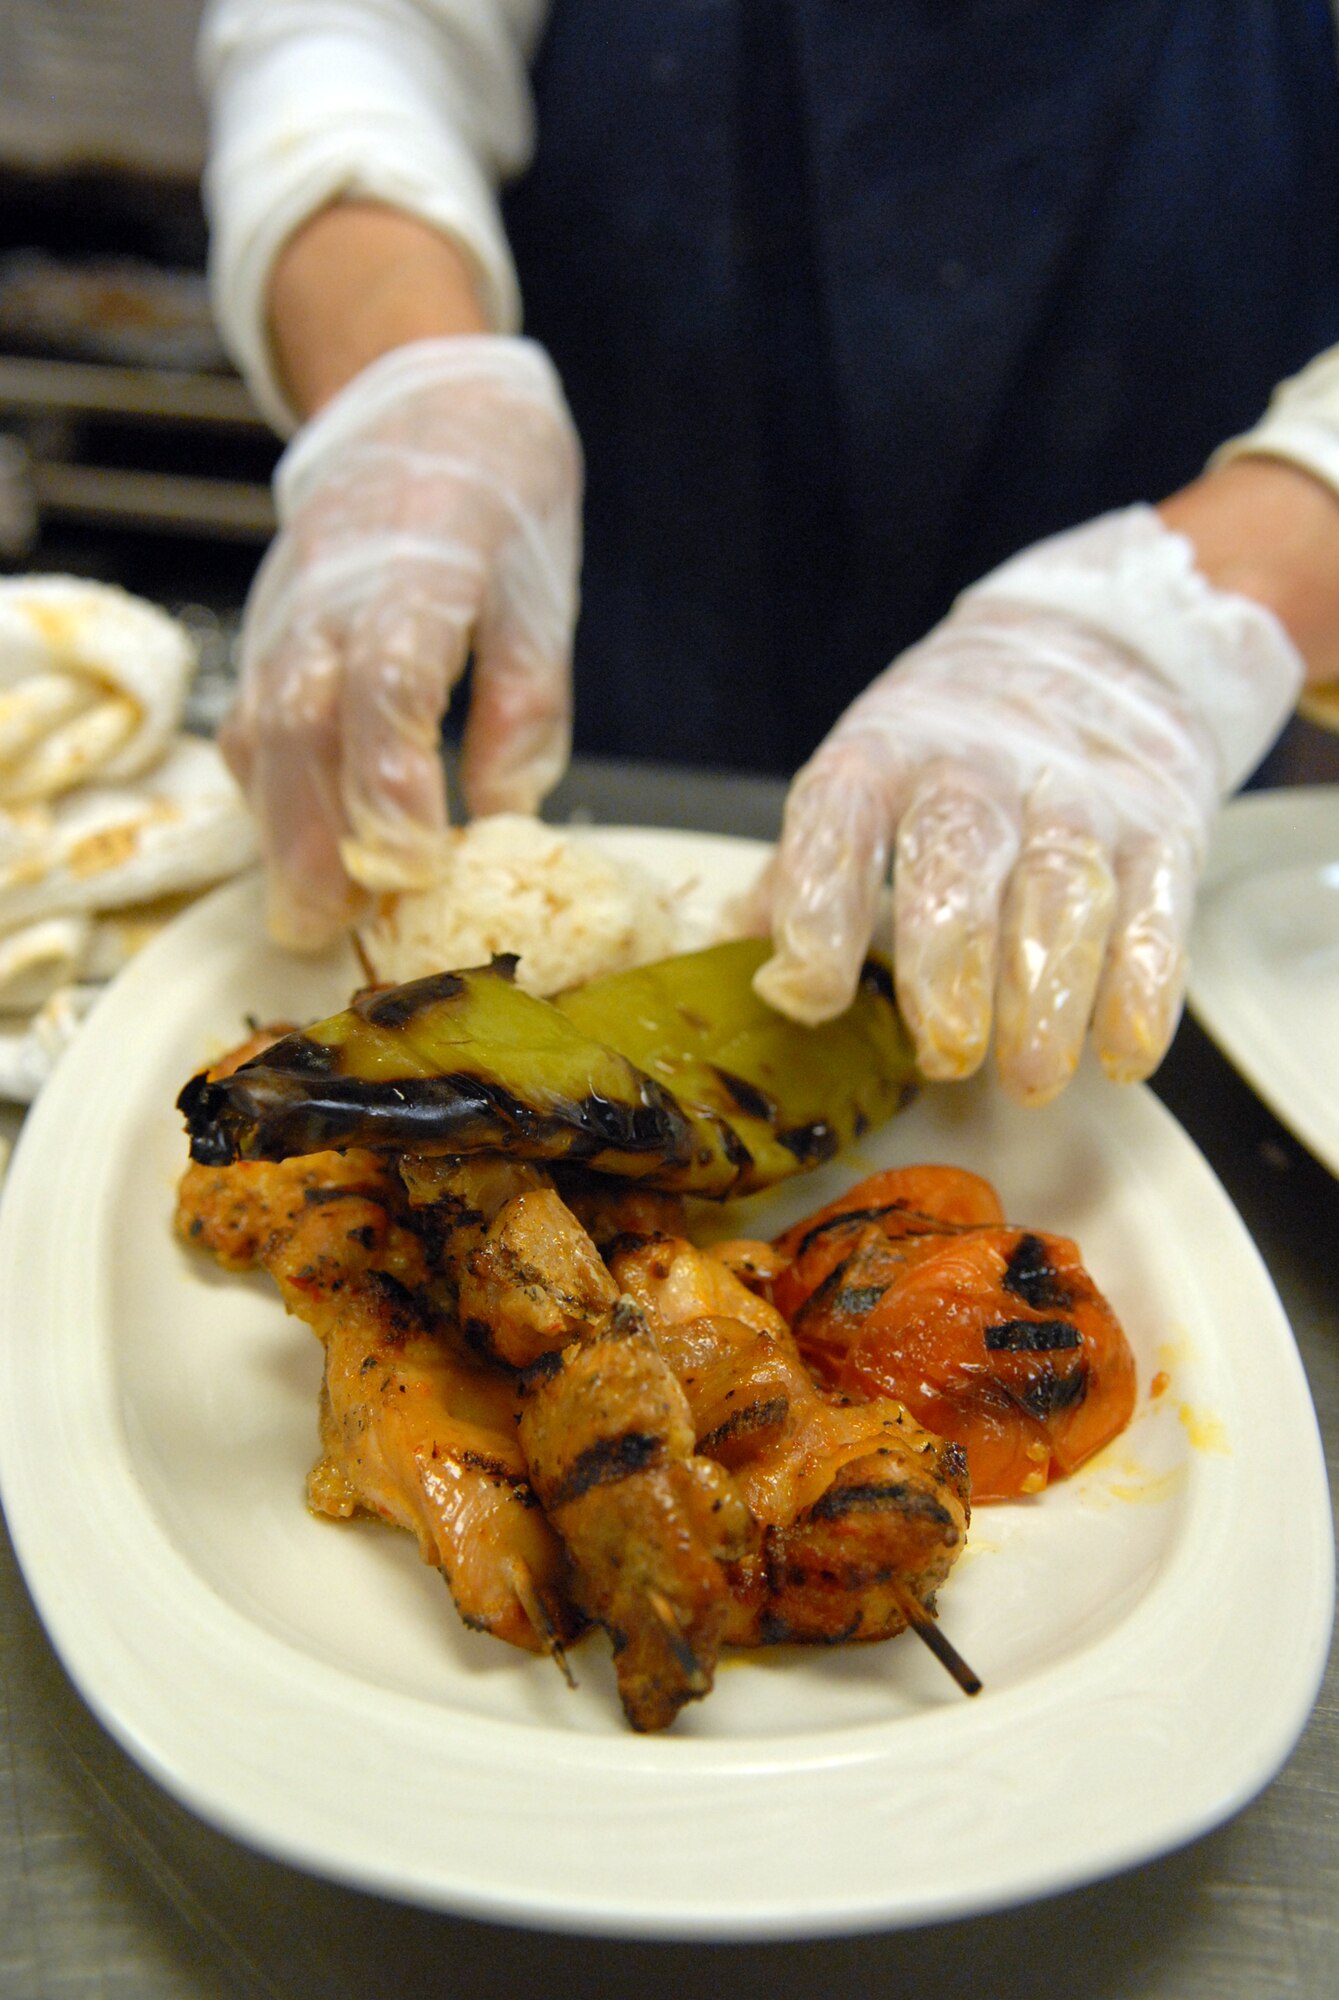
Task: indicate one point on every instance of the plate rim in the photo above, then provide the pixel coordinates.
(1209, 999)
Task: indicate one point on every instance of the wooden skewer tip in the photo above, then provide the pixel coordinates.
(537, 1611)
(364, 957)
(927, 1628)
(697, 1679)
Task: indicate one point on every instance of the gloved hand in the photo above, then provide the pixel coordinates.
(432, 507)
(1042, 772)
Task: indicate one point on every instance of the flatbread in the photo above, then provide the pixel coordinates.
(92, 684)
(103, 847)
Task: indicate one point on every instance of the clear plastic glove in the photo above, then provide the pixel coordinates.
(1041, 772)
(431, 510)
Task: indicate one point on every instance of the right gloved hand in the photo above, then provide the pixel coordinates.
(430, 510)
(1042, 771)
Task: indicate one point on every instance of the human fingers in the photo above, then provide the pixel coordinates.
(827, 878)
(957, 839)
(1054, 927)
(293, 788)
(237, 742)
(1143, 985)
(518, 731)
(404, 650)
(261, 641)
(517, 736)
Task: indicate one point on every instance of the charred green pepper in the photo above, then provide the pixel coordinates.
(792, 1095)
(676, 1074)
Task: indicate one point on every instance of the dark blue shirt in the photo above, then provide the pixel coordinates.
(853, 298)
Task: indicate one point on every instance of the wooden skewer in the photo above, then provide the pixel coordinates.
(926, 1627)
(697, 1679)
(361, 953)
(537, 1611)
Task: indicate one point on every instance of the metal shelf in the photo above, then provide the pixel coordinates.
(50, 408)
(100, 389)
(170, 501)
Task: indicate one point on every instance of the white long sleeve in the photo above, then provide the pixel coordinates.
(423, 104)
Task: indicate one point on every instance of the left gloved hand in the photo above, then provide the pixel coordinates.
(430, 510)
(1042, 771)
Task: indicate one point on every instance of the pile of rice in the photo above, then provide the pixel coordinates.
(513, 884)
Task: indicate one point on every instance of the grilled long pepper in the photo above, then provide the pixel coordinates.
(676, 1075)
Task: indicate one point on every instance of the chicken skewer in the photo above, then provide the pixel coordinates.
(863, 1512)
(427, 1437)
(860, 1512)
(413, 1430)
(649, 1524)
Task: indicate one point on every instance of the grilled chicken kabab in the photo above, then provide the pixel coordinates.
(635, 1528)
(426, 1439)
(649, 1524)
(857, 1513)
(413, 1429)
(862, 1511)
(642, 1441)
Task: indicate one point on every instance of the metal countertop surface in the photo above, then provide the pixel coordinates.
(108, 1888)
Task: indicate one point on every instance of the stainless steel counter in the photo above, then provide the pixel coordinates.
(109, 1889)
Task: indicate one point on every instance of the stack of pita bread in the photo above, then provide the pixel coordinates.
(111, 817)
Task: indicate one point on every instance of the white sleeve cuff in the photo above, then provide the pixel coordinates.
(312, 101)
(1300, 425)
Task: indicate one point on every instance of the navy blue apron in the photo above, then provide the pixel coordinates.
(853, 298)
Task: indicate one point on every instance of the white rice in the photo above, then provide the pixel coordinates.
(515, 885)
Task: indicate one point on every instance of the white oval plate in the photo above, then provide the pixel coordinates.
(1264, 972)
(1151, 1635)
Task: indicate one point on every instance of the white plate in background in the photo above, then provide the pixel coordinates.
(1264, 955)
(1151, 1635)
